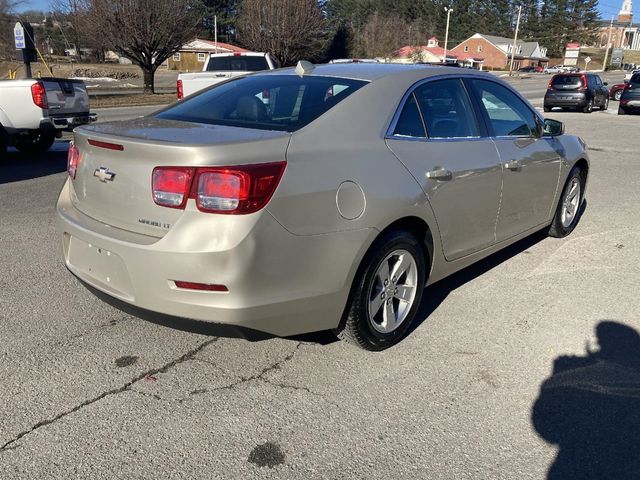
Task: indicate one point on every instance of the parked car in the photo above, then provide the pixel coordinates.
(530, 69)
(553, 70)
(630, 98)
(628, 76)
(223, 66)
(615, 91)
(314, 211)
(576, 90)
(34, 112)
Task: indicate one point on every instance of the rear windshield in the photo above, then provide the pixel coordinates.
(267, 102)
(567, 81)
(237, 63)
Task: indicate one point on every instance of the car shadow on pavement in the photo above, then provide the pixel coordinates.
(16, 166)
(435, 294)
(590, 408)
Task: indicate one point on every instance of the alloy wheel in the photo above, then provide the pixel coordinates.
(571, 203)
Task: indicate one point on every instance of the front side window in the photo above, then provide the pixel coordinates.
(446, 109)
(507, 113)
(266, 102)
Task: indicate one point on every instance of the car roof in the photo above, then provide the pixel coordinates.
(374, 71)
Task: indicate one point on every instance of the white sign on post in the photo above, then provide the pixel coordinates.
(18, 35)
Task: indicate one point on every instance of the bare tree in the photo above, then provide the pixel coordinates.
(76, 13)
(382, 35)
(289, 29)
(146, 31)
(6, 26)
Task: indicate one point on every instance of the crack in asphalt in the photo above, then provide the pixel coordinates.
(115, 391)
(262, 376)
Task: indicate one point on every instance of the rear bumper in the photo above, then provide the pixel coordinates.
(278, 282)
(566, 100)
(67, 122)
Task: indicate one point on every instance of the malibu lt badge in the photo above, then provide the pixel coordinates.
(104, 174)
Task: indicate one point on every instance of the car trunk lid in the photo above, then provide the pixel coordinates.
(114, 175)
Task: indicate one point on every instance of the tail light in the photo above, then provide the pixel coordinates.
(550, 85)
(73, 159)
(170, 186)
(39, 95)
(234, 190)
(180, 88)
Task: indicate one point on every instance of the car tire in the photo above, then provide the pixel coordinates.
(605, 105)
(546, 109)
(621, 111)
(375, 317)
(588, 108)
(617, 95)
(569, 206)
(37, 143)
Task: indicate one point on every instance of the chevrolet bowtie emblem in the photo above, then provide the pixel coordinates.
(104, 174)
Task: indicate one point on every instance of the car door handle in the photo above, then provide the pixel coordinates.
(440, 174)
(513, 165)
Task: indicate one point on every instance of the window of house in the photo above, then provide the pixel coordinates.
(479, 48)
(466, 48)
(202, 57)
(176, 57)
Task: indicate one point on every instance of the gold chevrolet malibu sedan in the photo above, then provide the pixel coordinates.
(318, 198)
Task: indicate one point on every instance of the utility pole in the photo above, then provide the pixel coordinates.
(515, 41)
(215, 31)
(446, 35)
(606, 52)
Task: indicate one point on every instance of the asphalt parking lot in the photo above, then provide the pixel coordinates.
(527, 361)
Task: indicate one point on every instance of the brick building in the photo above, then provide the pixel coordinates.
(191, 57)
(434, 53)
(496, 51)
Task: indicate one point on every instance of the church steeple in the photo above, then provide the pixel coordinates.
(626, 12)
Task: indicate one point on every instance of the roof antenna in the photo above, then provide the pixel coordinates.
(304, 67)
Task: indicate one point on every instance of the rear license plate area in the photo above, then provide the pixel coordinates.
(100, 267)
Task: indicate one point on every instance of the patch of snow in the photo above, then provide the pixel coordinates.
(98, 79)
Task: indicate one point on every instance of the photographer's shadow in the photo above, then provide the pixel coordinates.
(590, 409)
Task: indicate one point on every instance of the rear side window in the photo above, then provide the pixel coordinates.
(446, 109)
(266, 102)
(410, 123)
(567, 81)
(507, 113)
(237, 63)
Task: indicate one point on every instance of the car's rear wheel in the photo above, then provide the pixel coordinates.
(621, 111)
(386, 293)
(36, 143)
(617, 95)
(605, 105)
(546, 109)
(568, 210)
(588, 108)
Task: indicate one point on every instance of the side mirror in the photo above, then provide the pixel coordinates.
(553, 128)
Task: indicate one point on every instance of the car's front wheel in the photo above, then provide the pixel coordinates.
(588, 108)
(386, 293)
(568, 210)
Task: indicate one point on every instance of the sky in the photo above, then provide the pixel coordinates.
(605, 7)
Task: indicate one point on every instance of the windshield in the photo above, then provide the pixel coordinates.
(237, 64)
(267, 102)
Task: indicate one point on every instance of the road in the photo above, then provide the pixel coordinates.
(89, 391)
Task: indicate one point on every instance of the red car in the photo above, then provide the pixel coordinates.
(615, 91)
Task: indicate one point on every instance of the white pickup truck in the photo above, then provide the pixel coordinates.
(34, 112)
(222, 66)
